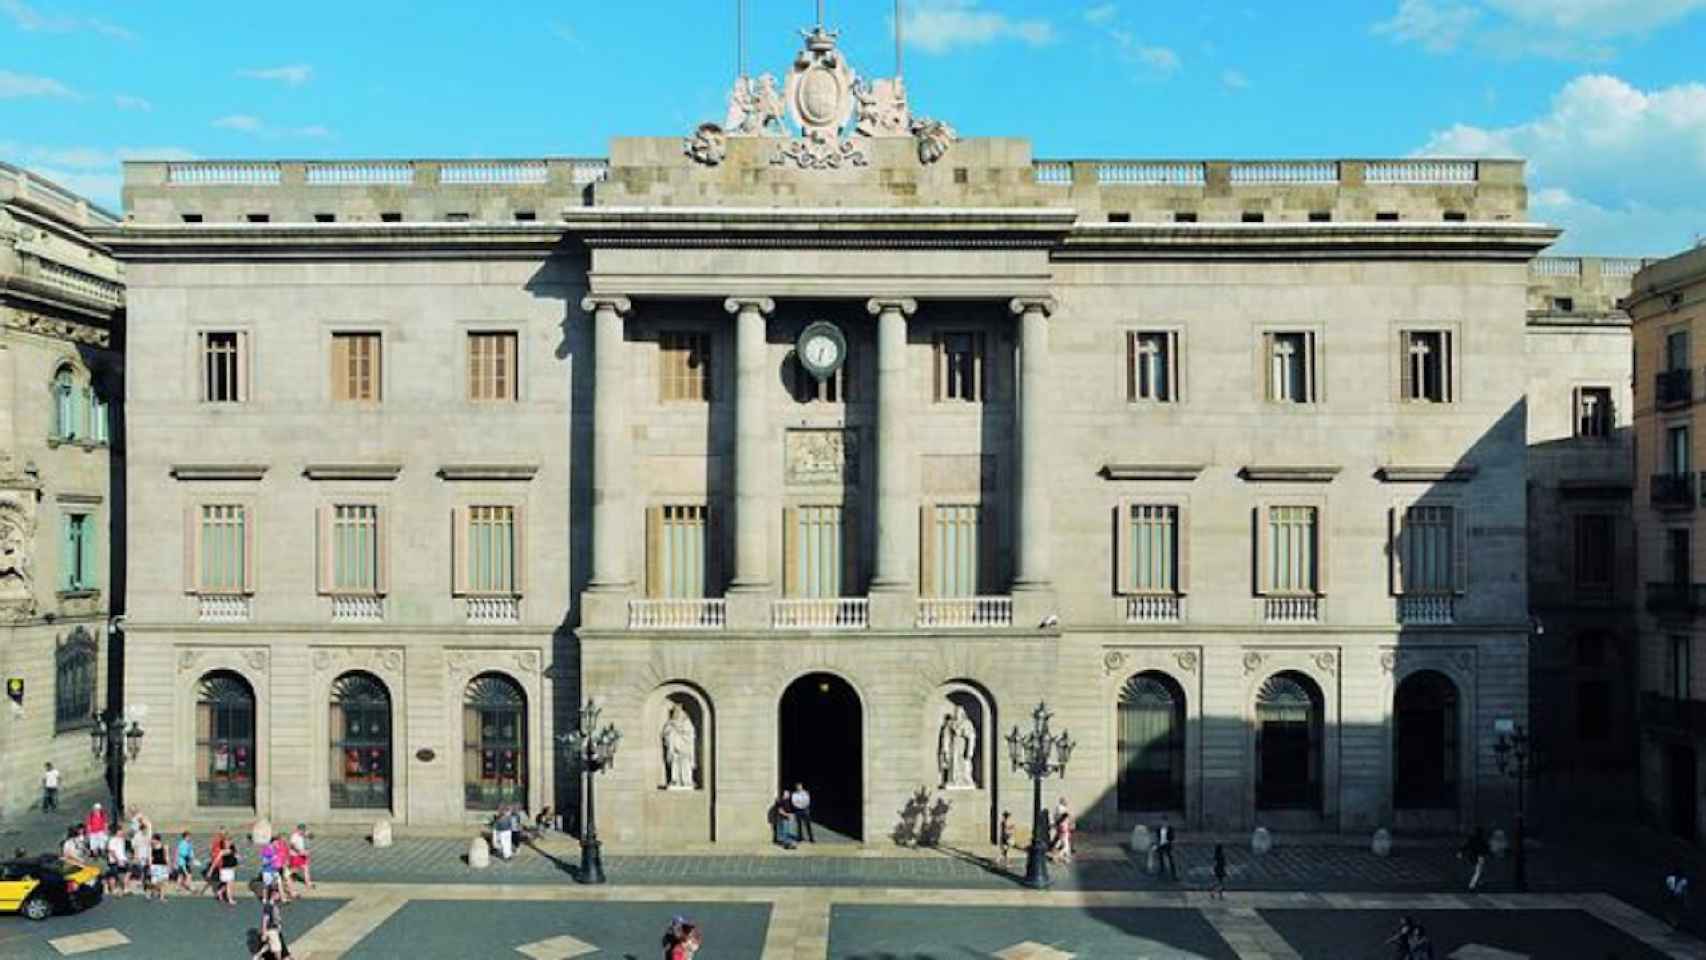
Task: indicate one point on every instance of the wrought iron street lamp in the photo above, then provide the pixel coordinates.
(594, 750)
(116, 738)
(1038, 754)
(1515, 753)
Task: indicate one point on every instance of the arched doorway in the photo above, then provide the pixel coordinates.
(1289, 715)
(1424, 769)
(821, 735)
(1151, 744)
(494, 743)
(359, 769)
(225, 741)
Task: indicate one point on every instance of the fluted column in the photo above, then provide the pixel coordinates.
(751, 525)
(611, 472)
(896, 500)
(1032, 529)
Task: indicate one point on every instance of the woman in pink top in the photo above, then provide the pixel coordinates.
(95, 825)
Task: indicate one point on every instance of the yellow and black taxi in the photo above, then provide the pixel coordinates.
(44, 886)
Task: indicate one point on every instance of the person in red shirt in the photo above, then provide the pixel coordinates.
(95, 825)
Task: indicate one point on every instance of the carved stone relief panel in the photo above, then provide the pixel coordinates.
(821, 458)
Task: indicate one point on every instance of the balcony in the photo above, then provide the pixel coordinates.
(1673, 388)
(1427, 609)
(1673, 491)
(224, 608)
(1670, 598)
(1284, 610)
(676, 614)
(821, 613)
(1670, 714)
(358, 609)
(965, 612)
(494, 610)
(1155, 608)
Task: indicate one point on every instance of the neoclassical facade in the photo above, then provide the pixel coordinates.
(820, 448)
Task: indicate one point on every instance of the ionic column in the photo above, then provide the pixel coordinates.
(895, 500)
(751, 526)
(611, 473)
(1032, 528)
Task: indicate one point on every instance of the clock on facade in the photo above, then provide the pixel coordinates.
(821, 349)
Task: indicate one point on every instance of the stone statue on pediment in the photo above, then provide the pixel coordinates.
(883, 110)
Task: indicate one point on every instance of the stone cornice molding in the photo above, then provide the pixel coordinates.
(594, 302)
(1152, 471)
(1486, 240)
(488, 471)
(71, 331)
(737, 305)
(218, 471)
(1024, 305)
(905, 306)
(1290, 473)
(1461, 473)
(352, 471)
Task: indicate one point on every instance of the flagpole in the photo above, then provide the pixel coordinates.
(898, 63)
(740, 38)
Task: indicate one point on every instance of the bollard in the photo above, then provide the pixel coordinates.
(479, 853)
(1261, 841)
(1382, 845)
(382, 833)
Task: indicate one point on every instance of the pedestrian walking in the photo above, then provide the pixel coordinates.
(1217, 889)
(1676, 894)
(1006, 836)
(185, 861)
(270, 866)
(273, 946)
(228, 861)
(159, 868)
(1475, 851)
(1400, 940)
(503, 833)
(782, 817)
(140, 835)
(682, 940)
(1061, 850)
(95, 830)
(300, 862)
(215, 855)
(802, 803)
(49, 787)
(118, 862)
(281, 854)
(1164, 850)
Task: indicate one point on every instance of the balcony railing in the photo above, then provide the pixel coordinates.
(1673, 388)
(494, 610)
(1673, 491)
(1669, 713)
(1291, 609)
(1427, 609)
(1667, 597)
(224, 608)
(962, 612)
(1155, 608)
(358, 609)
(821, 613)
(675, 614)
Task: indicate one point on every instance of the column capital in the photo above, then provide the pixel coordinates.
(1023, 305)
(763, 305)
(878, 306)
(594, 302)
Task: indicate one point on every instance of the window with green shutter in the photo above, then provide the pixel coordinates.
(355, 548)
(491, 550)
(224, 549)
(77, 553)
(67, 423)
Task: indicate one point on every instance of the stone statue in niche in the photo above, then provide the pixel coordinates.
(680, 750)
(956, 748)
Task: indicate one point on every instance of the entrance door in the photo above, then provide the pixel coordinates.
(1684, 811)
(820, 724)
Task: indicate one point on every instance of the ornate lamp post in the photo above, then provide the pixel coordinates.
(594, 750)
(1515, 753)
(1038, 754)
(117, 739)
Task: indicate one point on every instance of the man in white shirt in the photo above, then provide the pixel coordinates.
(49, 787)
(801, 801)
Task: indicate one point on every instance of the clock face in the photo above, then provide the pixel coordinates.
(821, 349)
(822, 352)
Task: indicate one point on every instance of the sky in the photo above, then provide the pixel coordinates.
(1606, 99)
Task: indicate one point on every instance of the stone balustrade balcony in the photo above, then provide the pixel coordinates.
(965, 612)
(493, 610)
(1428, 609)
(224, 608)
(358, 608)
(821, 613)
(678, 614)
(1290, 610)
(1154, 608)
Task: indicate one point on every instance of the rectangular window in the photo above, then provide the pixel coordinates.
(223, 549)
(492, 366)
(1293, 548)
(816, 552)
(1429, 550)
(224, 366)
(1593, 551)
(1152, 366)
(355, 536)
(960, 367)
(1676, 450)
(1185, 216)
(1679, 557)
(491, 551)
(1291, 366)
(77, 553)
(356, 367)
(100, 420)
(1594, 416)
(1680, 664)
(685, 366)
(1676, 350)
(1152, 564)
(679, 550)
(1426, 363)
(954, 559)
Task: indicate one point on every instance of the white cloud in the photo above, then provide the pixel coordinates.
(291, 75)
(28, 18)
(939, 26)
(1608, 161)
(1101, 13)
(125, 101)
(1234, 80)
(247, 123)
(1157, 60)
(15, 86)
(1553, 29)
(239, 121)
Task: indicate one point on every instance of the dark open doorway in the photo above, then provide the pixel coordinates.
(821, 732)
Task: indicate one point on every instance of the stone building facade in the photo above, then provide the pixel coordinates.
(1668, 308)
(823, 430)
(61, 464)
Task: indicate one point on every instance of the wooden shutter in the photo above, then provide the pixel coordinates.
(192, 548)
(325, 545)
(1175, 387)
(979, 366)
(1122, 548)
(790, 552)
(938, 377)
(251, 533)
(340, 368)
(654, 551)
(242, 364)
(1262, 539)
(518, 544)
(1406, 368)
(852, 553)
(381, 550)
(988, 556)
(1459, 550)
(1270, 389)
(1394, 549)
(713, 539)
(1131, 365)
(1182, 546)
(1311, 375)
(458, 551)
(201, 366)
(927, 551)
(1323, 562)
(1447, 371)
(1576, 413)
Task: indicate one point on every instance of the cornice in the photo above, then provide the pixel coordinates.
(352, 471)
(57, 328)
(1482, 240)
(218, 471)
(1290, 473)
(1460, 473)
(1152, 471)
(488, 471)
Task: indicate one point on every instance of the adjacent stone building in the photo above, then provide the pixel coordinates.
(61, 517)
(847, 441)
(1668, 308)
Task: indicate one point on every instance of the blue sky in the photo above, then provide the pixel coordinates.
(1606, 98)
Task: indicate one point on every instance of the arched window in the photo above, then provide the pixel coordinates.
(1151, 744)
(225, 741)
(74, 680)
(67, 412)
(1424, 769)
(360, 728)
(494, 742)
(1288, 743)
